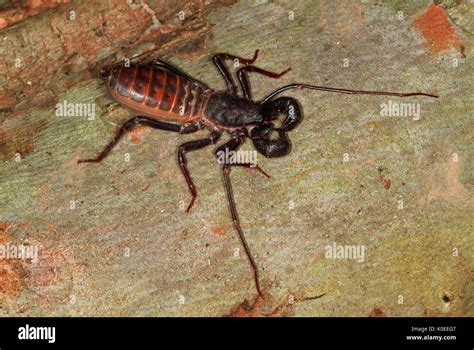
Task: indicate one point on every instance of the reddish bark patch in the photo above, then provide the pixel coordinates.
(435, 28)
(218, 230)
(137, 134)
(245, 309)
(19, 11)
(10, 278)
(387, 183)
(10, 270)
(377, 312)
(4, 234)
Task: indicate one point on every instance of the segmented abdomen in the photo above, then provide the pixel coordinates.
(157, 92)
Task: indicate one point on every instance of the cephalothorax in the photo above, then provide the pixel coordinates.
(168, 99)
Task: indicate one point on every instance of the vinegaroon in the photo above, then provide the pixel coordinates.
(167, 99)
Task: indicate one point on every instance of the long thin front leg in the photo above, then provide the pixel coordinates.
(244, 81)
(232, 145)
(299, 86)
(183, 163)
(219, 59)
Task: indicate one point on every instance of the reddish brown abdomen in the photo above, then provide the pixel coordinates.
(157, 92)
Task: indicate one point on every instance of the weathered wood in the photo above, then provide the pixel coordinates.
(39, 55)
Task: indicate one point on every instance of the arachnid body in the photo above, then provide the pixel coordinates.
(167, 99)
